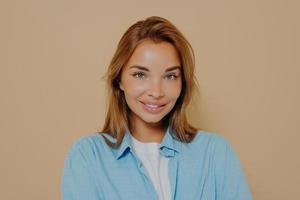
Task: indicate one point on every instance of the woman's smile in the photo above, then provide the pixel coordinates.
(153, 108)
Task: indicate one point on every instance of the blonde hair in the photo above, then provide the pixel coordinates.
(156, 29)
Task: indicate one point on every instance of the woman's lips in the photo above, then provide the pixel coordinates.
(153, 108)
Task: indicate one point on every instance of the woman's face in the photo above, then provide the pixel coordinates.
(151, 81)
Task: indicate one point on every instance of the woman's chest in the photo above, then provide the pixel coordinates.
(129, 179)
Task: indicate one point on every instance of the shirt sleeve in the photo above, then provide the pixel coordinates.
(231, 182)
(77, 182)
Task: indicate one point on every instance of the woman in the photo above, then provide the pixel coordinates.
(147, 149)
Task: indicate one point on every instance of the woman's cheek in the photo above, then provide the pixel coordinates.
(137, 87)
(174, 90)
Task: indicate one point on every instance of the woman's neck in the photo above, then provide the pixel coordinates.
(147, 132)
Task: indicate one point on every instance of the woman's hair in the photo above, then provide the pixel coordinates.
(156, 29)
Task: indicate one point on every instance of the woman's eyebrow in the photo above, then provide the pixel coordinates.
(146, 69)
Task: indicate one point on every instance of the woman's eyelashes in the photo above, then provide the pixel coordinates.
(142, 75)
(172, 76)
(139, 75)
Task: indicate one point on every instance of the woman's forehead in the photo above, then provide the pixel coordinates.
(154, 56)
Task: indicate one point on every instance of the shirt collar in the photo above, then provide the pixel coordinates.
(168, 146)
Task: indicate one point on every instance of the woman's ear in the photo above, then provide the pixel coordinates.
(121, 86)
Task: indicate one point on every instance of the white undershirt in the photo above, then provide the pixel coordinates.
(156, 166)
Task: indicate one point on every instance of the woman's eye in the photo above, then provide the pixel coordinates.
(171, 76)
(139, 75)
(142, 75)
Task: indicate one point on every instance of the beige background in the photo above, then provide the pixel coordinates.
(54, 52)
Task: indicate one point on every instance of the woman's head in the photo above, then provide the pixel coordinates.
(152, 66)
(151, 82)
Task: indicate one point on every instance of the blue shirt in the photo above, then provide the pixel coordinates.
(205, 169)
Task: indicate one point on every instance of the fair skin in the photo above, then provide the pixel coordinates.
(151, 82)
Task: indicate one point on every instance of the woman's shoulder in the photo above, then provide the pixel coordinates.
(89, 144)
(209, 142)
(210, 137)
(87, 139)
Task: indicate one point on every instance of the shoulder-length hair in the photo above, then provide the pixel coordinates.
(158, 30)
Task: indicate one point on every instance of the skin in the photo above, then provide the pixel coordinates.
(145, 80)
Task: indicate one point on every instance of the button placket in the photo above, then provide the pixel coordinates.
(146, 177)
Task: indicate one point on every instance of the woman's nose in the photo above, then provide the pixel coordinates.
(155, 89)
